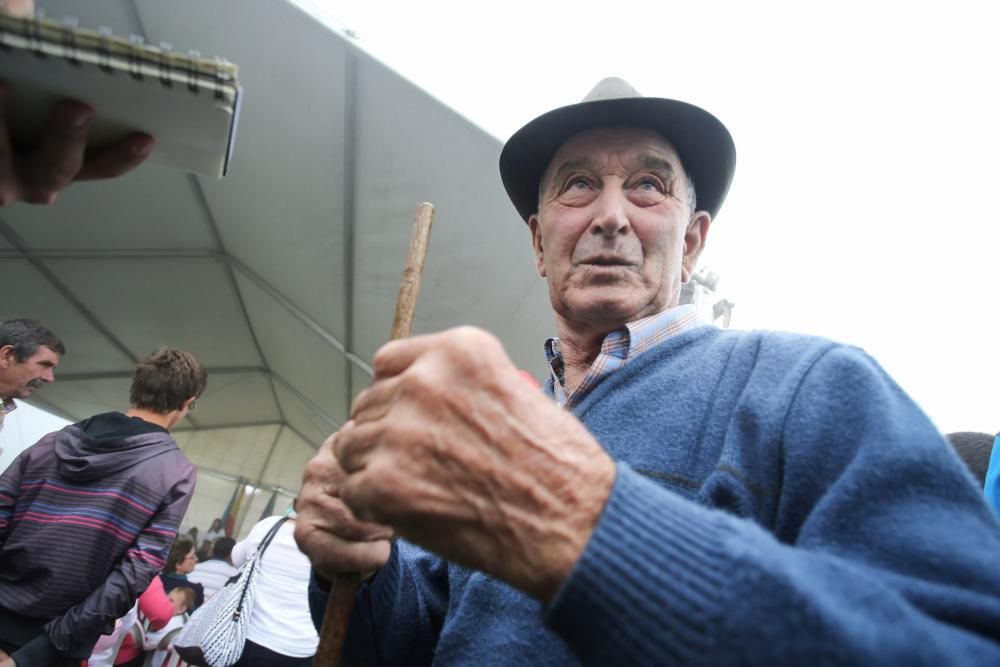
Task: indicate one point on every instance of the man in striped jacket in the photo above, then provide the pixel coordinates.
(88, 513)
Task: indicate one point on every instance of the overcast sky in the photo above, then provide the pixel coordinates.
(863, 204)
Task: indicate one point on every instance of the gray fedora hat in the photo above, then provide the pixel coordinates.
(703, 143)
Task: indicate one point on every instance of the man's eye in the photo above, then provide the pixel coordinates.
(650, 183)
(578, 182)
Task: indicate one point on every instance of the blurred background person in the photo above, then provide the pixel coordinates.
(193, 534)
(161, 641)
(974, 449)
(208, 540)
(124, 646)
(180, 563)
(215, 532)
(213, 573)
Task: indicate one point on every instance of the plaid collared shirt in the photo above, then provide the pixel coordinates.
(619, 347)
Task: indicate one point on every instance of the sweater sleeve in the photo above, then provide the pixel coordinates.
(398, 613)
(881, 551)
(81, 625)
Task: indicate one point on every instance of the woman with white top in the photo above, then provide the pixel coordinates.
(280, 632)
(215, 532)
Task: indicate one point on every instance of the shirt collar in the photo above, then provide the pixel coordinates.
(624, 344)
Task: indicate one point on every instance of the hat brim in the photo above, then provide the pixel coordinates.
(705, 147)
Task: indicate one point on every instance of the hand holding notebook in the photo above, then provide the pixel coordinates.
(77, 105)
(38, 174)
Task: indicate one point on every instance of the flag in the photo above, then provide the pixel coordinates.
(269, 508)
(233, 524)
(233, 508)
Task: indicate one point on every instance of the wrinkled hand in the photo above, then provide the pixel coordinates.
(452, 448)
(38, 175)
(326, 531)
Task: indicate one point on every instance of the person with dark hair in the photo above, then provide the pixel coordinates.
(215, 531)
(214, 572)
(88, 513)
(166, 380)
(974, 449)
(683, 494)
(29, 354)
(981, 454)
(181, 560)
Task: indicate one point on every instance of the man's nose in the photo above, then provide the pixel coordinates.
(49, 375)
(610, 213)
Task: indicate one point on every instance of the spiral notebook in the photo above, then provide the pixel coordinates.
(188, 103)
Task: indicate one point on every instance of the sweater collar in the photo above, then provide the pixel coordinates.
(618, 348)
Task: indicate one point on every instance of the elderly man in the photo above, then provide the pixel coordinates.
(88, 513)
(701, 496)
(29, 354)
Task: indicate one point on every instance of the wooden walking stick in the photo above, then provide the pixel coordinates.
(344, 587)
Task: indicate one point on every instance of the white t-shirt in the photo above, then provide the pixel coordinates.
(212, 575)
(280, 620)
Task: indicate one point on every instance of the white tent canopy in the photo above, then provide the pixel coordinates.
(282, 277)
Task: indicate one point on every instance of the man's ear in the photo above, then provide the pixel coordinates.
(186, 405)
(7, 356)
(536, 244)
(694, 242)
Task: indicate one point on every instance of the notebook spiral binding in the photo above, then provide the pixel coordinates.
(81, 47)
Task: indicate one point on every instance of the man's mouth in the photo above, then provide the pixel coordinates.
(605, 260)
(35, 384)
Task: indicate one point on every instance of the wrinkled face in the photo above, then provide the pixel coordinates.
(20, 379)
(187, 565)
(613, 235)
(177, 601)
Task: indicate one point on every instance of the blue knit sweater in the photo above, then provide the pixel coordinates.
(779, 500)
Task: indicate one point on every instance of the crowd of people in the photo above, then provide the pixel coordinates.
(280, 629)
(89, 513)
(676, 494)
(92, 565)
